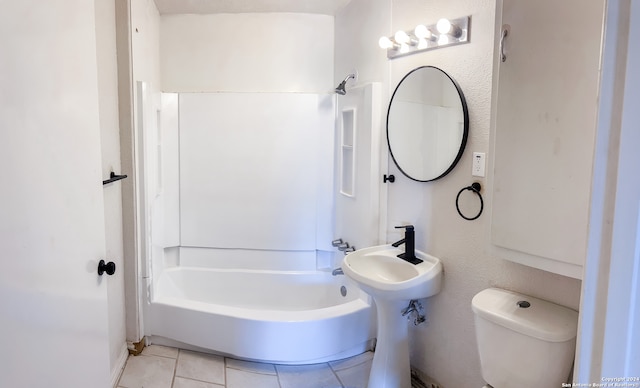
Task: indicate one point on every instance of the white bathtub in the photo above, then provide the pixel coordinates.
(270, 316)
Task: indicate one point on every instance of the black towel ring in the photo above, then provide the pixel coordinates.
(475, 187)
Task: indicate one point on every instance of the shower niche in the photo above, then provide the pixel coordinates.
(347, 151)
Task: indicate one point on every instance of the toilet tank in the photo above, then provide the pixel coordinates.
(523, 341)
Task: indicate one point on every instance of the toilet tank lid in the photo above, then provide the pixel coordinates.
(527, 315)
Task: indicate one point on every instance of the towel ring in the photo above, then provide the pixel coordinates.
(475, 187)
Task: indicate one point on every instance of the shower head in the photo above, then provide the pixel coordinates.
(341, 88)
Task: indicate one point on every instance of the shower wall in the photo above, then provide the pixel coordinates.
(247, 139)
(255, 170)
(245, 181)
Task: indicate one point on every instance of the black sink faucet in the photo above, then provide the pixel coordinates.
(409, 242)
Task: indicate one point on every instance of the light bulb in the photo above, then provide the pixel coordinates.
(444, 26)
(423, 44)
(443, 39)
(385, 43)
(402, 37)
(404, 48)
(422, 32)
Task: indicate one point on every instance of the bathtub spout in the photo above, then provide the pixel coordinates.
(337, 271)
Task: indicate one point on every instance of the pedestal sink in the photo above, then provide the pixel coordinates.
(392, 282)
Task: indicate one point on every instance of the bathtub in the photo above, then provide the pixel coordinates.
(270, 316)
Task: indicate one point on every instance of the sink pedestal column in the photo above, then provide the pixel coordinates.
(391, 368)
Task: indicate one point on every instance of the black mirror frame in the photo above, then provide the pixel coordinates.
(465, 134)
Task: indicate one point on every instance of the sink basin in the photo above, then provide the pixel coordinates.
(382, 274)
(392, 282)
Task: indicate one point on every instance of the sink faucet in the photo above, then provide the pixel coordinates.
(409, 242)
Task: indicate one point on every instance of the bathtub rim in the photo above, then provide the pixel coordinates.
(156, 296)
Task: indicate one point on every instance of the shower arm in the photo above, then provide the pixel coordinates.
(347, 78)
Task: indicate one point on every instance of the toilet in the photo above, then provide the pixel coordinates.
(523, 341)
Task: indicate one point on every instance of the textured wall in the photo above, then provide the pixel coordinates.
(445, 346)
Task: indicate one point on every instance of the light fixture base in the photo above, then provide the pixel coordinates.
(460, 36)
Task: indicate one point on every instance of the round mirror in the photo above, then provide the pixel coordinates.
(427, 124)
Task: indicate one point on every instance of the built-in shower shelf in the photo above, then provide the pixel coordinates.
(348, 152)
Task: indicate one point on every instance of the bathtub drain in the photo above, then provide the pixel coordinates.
(343, 291)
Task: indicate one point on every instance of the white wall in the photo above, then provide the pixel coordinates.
(253, 181)
(271, 52)
(145, 24)
(110, 144)
(445, 346)
(355, 26)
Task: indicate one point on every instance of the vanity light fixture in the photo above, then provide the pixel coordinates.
(444, 33)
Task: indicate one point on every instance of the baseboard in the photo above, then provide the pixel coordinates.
(117, 369)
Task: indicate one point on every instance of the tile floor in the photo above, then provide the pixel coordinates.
(165, 367)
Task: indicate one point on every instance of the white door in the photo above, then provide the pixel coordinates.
(358, 166)
(53, 311)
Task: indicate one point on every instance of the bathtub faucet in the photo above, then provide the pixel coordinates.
(337, 271)
(409, 242)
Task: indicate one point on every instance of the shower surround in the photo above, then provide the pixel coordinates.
(241, 214)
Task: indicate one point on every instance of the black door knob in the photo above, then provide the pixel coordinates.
(109, 268)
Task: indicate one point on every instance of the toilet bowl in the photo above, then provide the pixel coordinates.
(523, 341)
